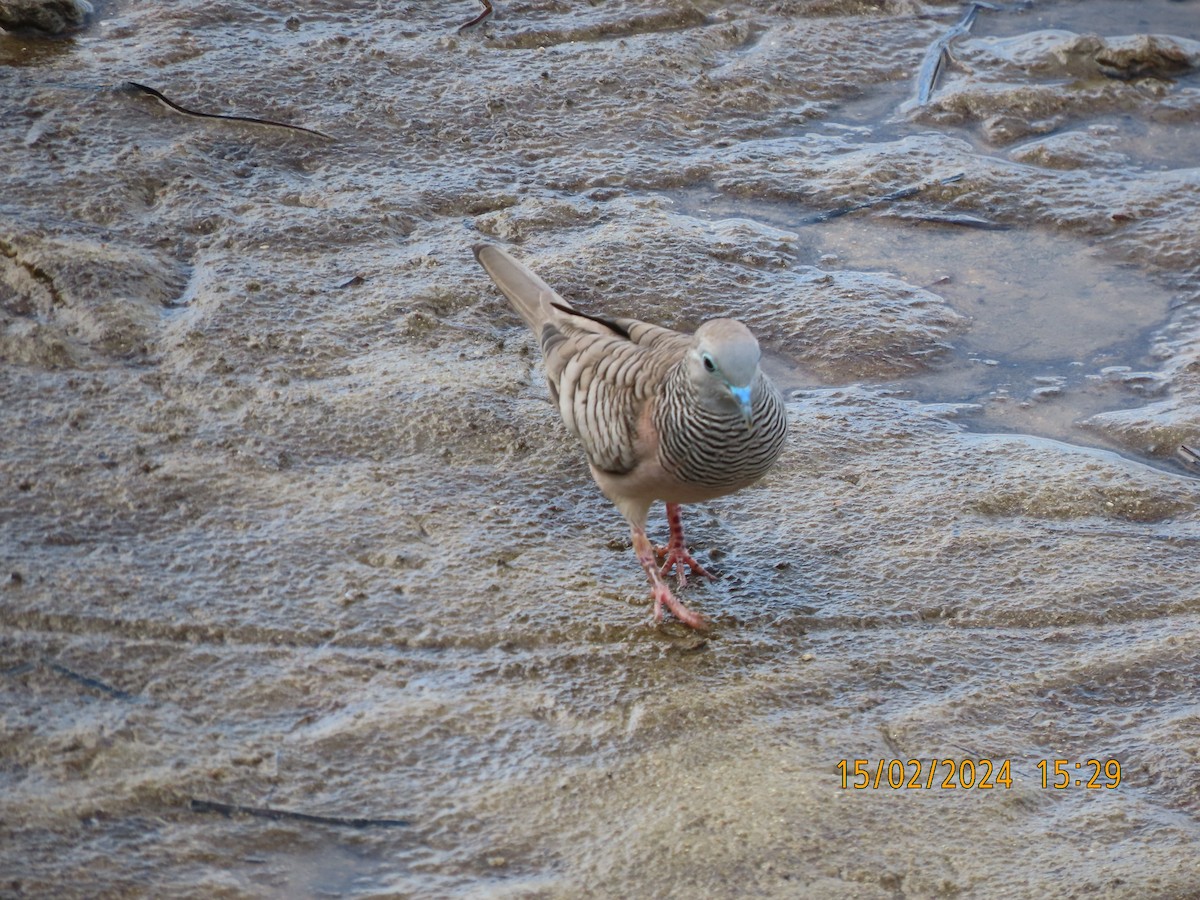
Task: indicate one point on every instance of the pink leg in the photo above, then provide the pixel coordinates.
(675, 554)
(662, 594)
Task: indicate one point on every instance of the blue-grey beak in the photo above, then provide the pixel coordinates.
(742, 396)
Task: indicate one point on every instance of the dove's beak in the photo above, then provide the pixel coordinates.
(742, 396)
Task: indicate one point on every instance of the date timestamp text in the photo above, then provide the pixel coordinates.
(972, 774)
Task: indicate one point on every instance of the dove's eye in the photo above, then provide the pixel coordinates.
(709, 365)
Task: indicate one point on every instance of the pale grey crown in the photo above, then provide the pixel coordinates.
(731, 347)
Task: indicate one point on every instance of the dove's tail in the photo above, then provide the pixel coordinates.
(530, 296)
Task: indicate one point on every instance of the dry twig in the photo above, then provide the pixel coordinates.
(935, 56)
(262, 812)
(171, 104)
(901, 194)
(487, 11)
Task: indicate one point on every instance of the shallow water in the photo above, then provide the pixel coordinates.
(289, 524)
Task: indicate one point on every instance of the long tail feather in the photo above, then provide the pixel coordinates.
(530, 296)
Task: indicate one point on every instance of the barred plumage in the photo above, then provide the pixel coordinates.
(661, 415)
(703, 447)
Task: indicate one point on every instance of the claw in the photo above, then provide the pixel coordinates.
(661, 593)
(663, 596)
(678, 557)
(675, 555)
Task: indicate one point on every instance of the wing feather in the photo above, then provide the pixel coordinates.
(603, 382)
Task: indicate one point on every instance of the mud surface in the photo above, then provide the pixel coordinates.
(288, 523)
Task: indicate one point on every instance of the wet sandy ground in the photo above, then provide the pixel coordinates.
(287, 522)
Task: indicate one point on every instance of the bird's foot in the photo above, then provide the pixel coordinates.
(659, 590)
(676, 556)
(664, 597)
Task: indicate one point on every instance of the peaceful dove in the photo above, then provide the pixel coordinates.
(661, 415)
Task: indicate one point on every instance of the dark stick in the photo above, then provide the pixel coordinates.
(88, 681)
(157, 95)
(231, 809)
(901, 194)
(487, 11)
(935, 56)
(85, 680)
(957, 221)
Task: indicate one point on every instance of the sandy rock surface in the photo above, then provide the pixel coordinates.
(289, 525)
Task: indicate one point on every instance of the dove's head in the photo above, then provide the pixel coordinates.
(723, 365)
